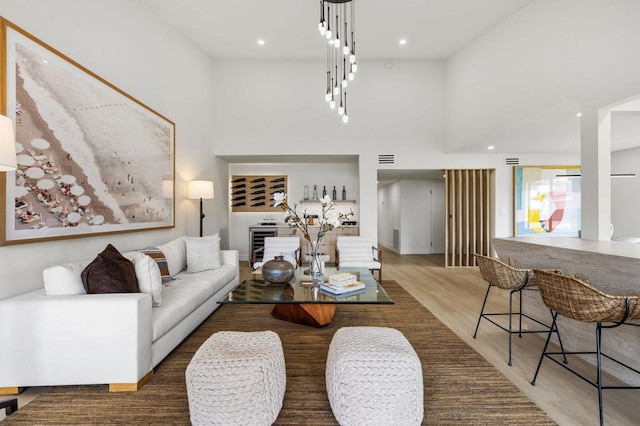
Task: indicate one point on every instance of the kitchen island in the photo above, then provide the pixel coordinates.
(612, 267)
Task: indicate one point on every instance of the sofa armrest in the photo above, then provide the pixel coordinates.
(79, 339)
(230, 257)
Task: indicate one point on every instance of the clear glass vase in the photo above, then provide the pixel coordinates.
(317, 278)
(316, 266)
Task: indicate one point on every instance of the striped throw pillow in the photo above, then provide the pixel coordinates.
(158, 256)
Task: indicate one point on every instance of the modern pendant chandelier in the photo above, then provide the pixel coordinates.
(337, 25)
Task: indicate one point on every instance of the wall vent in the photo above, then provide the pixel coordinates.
(386, 159)
(511, 161)
(396, 239)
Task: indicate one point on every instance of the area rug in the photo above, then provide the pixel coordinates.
(460, 387)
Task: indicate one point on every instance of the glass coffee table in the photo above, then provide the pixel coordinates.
(297, 301)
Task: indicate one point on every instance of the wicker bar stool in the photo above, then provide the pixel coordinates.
(573, 297)
(507, 276)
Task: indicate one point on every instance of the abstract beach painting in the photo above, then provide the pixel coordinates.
(91, 159)
(547, 201)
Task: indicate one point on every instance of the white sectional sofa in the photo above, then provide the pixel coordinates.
(114, 339)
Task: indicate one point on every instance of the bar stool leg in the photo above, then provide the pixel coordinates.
(546, 344)
(520, 315)
(599, 355)
(557, 331)
(510, 316)
(482, 311)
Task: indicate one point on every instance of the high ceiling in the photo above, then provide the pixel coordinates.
(434, 29)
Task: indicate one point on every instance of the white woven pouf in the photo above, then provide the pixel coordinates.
(237, 378)
(374, 377)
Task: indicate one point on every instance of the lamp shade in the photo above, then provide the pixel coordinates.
(200, 189)
(7, 145)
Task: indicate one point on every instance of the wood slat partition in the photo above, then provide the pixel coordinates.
(468, 209)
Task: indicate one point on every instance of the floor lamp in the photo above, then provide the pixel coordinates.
(202, 189)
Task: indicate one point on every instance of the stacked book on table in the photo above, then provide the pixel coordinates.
(342, 283)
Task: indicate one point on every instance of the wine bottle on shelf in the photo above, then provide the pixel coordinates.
(334, 194)
(324, 191)
(344, 193)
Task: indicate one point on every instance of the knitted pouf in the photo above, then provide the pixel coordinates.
(374, 377)
(237, 378)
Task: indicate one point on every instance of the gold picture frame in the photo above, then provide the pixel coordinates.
(92, 160)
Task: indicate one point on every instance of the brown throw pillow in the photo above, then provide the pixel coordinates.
(110, 272)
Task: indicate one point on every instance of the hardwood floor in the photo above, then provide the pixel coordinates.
(454, 295)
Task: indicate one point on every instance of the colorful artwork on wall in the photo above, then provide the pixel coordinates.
(547, 201)
(91, 159)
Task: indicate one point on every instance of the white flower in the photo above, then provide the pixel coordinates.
(278, 198)
(329, 219)
(333, 218)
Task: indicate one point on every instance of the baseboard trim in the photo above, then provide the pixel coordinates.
(130, 387)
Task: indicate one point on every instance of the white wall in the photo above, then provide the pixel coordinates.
(625, 193)
(124, 43)
(277, 107)
(389, 213)
(415, 233)
(405, 205)
(298, 175)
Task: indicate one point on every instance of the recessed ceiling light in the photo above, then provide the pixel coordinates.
(403, 41)
(579, 114)
(490, 147)
(45, 61)
(261, 42)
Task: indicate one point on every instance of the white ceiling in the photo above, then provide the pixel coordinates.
(434, 29)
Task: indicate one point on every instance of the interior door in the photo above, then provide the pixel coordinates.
(438, 218)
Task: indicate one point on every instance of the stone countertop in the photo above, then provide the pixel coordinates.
(613, 248)
(612, 266)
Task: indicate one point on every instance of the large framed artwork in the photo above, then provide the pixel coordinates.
(91, 159)
(547, 201)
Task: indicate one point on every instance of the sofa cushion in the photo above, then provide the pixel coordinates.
(185, 294)
(110, 272)
(64, 280)
(176, 253)
(203, 253)
(148, 276)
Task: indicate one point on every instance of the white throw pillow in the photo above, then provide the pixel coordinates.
(203, 253)
(148, 275)
(64, 280)
(176, 255)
